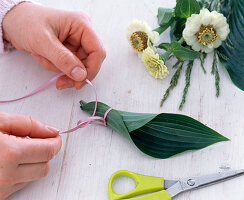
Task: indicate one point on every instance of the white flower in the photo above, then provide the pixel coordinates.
(140, 35)
(154, 64)
(206, 31)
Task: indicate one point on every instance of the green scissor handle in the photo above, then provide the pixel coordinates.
(144, 185)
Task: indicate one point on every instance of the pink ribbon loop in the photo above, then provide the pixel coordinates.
(81, 123)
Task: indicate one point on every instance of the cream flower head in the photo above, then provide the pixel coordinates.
(140, 35)
(154, 64)
(206, 31)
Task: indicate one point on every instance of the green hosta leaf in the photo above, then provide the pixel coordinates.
(158, 135)
(166, 55)
(177, 28)
(165, 46)
(204, 3)
(165, 19)
(185, 8)
(179, 51)
(183, 53)
(161, 29)
(164, 16)
(232, 52)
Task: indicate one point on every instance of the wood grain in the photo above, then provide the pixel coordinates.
(89, 157)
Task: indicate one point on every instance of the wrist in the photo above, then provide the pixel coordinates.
(9, 19)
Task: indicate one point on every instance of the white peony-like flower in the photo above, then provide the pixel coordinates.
(206, 31)
(154, 64)
(140, 35)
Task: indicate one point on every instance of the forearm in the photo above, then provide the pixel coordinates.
(5, 7)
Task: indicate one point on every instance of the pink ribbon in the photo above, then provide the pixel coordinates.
(81, 123)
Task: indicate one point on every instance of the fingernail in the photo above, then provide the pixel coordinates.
(55, 130)
(78, 73)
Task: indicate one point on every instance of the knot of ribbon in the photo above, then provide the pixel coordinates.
(81, 123)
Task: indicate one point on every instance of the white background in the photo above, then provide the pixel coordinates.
(89, 156)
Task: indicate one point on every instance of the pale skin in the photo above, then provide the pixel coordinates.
(61, 41)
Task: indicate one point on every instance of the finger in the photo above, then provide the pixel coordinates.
(81, 54)
(18, 187)
(72, 48)
(38, 150)
(79, 85)
(64, 82)
(45, 63)
(62, 58)
(32, 172)
(12, 190)
(93, 65)
(95, 51)
(22, 126)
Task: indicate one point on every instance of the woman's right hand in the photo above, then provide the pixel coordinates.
(61, 41)
(24, 159)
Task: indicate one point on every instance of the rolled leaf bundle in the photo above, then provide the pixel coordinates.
(158, 135)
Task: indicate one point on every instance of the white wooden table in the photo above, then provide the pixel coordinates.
(89, 156)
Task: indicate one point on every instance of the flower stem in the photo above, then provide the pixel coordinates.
(181, 40)
(202, 59)
(160, 30)
(188, 79)
(215, 71)
(214, 63)
(173, 83)
(210, 6)
(165, 56)
(217, 80)
(176, 64)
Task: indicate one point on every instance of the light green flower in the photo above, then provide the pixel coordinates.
(154, 64)
(140, 35)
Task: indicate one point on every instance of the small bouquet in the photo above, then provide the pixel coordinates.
(198, 28)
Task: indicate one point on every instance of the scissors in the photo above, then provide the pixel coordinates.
(157, 188)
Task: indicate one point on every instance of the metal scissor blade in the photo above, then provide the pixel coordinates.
(213, 178)
(198, 182)
(169, 183)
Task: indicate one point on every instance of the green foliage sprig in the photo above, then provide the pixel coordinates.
(188, 78)
(174, 81)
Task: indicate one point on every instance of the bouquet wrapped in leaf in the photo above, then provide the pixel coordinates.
(158, 135)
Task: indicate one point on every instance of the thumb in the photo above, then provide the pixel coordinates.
(53, 50)
(23, 126)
